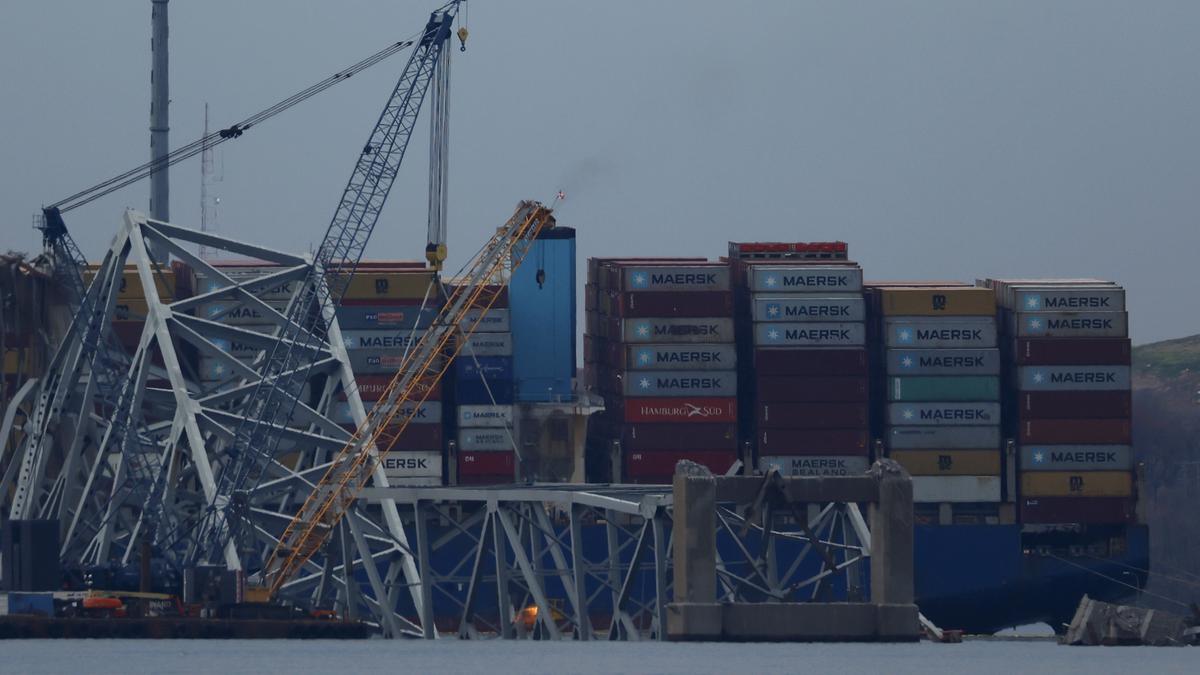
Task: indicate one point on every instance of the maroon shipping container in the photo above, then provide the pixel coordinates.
(674, 436)
(416, 437)
(834, 362)
(1080, 352)
(658, 466)
(1085, 510)
(672, 409)
(812, 415)
(812, 442)
(1077, 431)
(676, 304)
(1075, 404)
(492, 465)
(809, 388)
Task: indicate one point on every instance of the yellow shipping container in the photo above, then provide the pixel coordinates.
(949, 462)
(399, 285)
(131, 283)
(938, 301)
(1076, 484)
(131, 309)
(12, 361)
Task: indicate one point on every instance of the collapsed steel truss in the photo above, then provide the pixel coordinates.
(514, 562)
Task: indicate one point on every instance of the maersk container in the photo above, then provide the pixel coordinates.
(239, 349)
(803, 388)
(216, 370)
(1076, 458)
(809, 334)
(798, 308)
(820, 362)
(235, 314)
(675, 436)
(1067, 299)
(812, 442)
(395, 341)
(412, 284)
(491, 367)
(804, 278)
(667, 303)
(487, 344)
(681, 357)
(692, 410)
(943, 361)
(1078, 352)
(680, 383)
(823, 465)
(429, 412)
(1070, 324)
(812, 415)
(941, 332)
(675, 278)
(949, 462)
(956, 489)
(937, 301)
(485, 416)
(1077, 510)
(943, 413)
(920, 438)
(667, 330)
(949, 388)
(382, 317)
(279, 290)
(496, 320)
(1074, 404)
(1075, 432)
(485, 439)
(1073, 378)
(401, 467)
(1076, 484)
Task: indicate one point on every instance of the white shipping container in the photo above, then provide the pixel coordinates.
(809, 334)
(804, 465)
(1073, 378)
(943, 413)
(399, 466)
(938, 489)
(240, 314)
(488, 344)
(488, 416)
(497, 320)
(429, 412)
(804, 278)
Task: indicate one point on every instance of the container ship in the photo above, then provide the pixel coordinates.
(1007, 400)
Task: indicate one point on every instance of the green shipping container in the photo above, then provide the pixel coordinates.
(947, 388)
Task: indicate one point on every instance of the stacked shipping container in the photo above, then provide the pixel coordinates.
(804, 362)
(660, 349)
(483, 396)
(383, 312)
(1068, 397)
(940, 366)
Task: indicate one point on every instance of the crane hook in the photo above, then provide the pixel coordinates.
(462, 38)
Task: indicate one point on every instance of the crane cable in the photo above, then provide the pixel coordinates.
(217, 137)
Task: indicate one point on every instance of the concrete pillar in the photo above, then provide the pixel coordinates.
(892, 536)
(695, 540)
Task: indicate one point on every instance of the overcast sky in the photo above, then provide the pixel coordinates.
(943, 140)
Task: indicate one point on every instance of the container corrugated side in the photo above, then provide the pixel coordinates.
(809, 335)
(1066, 299)
(675, 278)
(429, 412)
(821, 308)
(812, 415)
(1070, 324)
(1072, 352)
(485, 416)
(1074, 404)
(804, 278)
(705, 383)
(950, 388)
(658, 466)
(810, 389)
(1077, 510)
(1073, 378)
(943, 413)
(1076, 484)
(949, 462)
(919, 438)
(821, 465)
(1075, 432)
(680, 357)
(941, 332)
(956, 489)
(943, 361)
(816, 362)
(669, 330)
(957, 301)
(1076, 458)
(679, 409)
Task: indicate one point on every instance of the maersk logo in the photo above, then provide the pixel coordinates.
(906, 361)
(1033, 303)
(1035, 324)
(645, 357)
(904, 335)
(642, 329)
(771, 281)
(1039, 458)
(640, 280)
(774, 310)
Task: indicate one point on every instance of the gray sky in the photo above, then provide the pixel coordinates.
(946, 140)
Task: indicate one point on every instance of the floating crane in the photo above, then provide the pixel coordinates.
(421, 369)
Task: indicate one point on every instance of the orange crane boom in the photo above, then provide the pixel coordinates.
(421, 369)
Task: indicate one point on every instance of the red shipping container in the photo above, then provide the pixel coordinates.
(1077, 431)
(663, 303)
(833, 362)
(492, 464)
(812, 442)
(371, 387)
(416, 437)
(812, 415)
(1080, 352)
(806, 388)
(1085, 510)
(1075, 404)
(670, 409)
(658, 466)
(672, 436)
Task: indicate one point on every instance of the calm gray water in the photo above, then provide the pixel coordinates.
(376, 657)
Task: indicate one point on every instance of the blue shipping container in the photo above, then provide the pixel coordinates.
(492, 367)
(473, 392)
(542, 317)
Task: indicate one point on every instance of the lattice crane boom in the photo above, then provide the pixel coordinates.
(420, 370)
